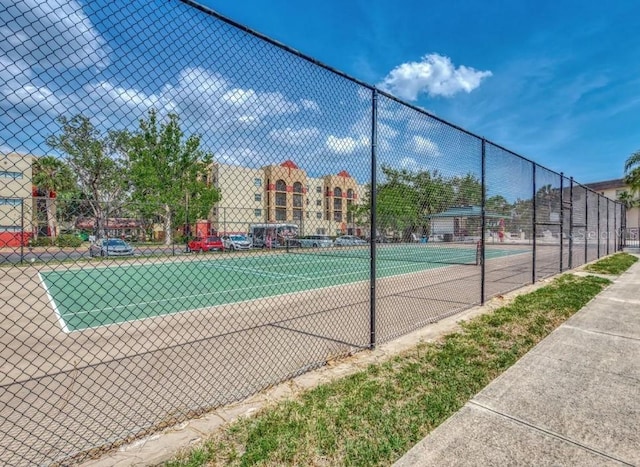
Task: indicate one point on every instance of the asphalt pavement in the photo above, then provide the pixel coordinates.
(572, 400)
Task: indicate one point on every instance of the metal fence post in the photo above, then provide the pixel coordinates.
(561, 220)
(22, 231)
(571, 223)
(483, 221)
(598, 228)
(586, 225)
(607, 226)
(373, 220)
(534, 232)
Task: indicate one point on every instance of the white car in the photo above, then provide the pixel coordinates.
(110, 247)
(315, 241)
(236, 242)
(349, 240)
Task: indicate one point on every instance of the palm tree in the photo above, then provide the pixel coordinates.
(632, 178)
(52, 175)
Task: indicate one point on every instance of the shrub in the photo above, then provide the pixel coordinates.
(40, 241)
(72, 241)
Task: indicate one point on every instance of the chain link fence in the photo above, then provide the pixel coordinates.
(191, 213)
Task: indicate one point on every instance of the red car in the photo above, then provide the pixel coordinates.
(206, 244)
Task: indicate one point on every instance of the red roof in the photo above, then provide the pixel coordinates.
(289, 164)
(344, 173)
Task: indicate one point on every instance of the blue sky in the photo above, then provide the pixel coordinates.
(564, 88)
(557, 82)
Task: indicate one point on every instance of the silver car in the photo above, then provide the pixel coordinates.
(349, 240)
(236, 242)
(110, 247)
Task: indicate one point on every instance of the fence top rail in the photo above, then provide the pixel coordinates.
(374, 89)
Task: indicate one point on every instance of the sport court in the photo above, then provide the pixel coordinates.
(91, 297)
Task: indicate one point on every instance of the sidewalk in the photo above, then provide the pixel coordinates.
(573, 400)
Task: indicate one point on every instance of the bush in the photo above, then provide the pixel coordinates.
(40, 241)
(72, 241)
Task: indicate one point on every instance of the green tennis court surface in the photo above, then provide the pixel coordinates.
(91, 297)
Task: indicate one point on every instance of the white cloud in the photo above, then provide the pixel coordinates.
(423, 145)
(434, 75)
(309, 104)
(347, 145)
(294, 136)
(28, 35)
(410, 164)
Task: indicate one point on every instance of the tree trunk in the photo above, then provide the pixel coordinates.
(52, 223)
(168, 234)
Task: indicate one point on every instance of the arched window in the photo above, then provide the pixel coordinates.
(297, 195)
(281, 185)
(337, 201)
(281, 193)
(349, 193)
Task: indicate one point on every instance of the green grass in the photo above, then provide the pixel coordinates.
(614, 265)
(373, 417)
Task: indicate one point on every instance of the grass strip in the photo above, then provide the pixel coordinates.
(373, 417)
(614, 265)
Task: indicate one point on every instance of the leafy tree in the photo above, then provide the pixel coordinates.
(498, 204)
(632, 172)
(52, 176)
(468, 190)
(406, 199)
(632, 179)
(96, 163)
(168, 172)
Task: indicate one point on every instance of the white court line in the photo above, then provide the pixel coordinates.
(63, 325)
(218, 292)
(257, 272)
(302, 280)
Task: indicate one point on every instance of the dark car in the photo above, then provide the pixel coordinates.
(206, 244)
(110, 247)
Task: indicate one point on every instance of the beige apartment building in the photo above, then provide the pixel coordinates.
(612, 190)
(284, 193)
(16, 199)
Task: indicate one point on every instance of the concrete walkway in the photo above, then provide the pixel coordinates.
(573, 400)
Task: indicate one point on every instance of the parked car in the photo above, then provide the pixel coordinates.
(236, 242)
(206, 244)
(110, 247)
(349, 240)
(315, 241)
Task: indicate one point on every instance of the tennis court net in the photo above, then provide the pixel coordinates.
(441, 253)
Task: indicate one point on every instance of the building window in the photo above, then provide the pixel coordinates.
(337, 204)
(214, 211)
(257, 181)
(281, 185)
(257, 212)
(321, 231)
(318, 189)
(337, 216)
(10, 228)
(257, 197)
(281, 214)
(10, 202)
(349, 193)
(337, 192)
(318, 202)
(297, 215)
(318, 215)
(281, 199)
(10, 174)
(307, 214)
